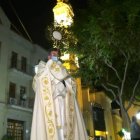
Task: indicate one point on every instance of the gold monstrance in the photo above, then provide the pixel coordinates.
(63, 14)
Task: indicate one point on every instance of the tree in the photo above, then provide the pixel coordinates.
(108, 49)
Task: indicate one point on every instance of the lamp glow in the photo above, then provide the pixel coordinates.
(126, 134)
(36, 69)
(138, 115)
(63, 14)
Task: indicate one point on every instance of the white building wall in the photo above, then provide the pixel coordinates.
(10, 41)
(3, 70)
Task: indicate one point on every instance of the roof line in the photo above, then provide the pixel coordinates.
(20, 22)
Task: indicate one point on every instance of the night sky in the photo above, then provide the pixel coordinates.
(35, 15)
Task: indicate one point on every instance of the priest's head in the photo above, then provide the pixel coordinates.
(54, 54)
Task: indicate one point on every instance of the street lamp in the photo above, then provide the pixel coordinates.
(63, 14)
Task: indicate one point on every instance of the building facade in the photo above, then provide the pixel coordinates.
(18, 58)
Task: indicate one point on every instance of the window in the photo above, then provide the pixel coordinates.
(15, 129)
(23, 64)
(98, 118)
(14, 60)
(12, 90)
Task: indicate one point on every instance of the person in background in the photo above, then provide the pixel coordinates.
(56, 114)
(135, 129)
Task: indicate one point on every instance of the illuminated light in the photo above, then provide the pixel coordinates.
(36, 69)
(65, 57)
(138, 115)
(27, 131)
(106, 133)
(100, 133)
(66, 63)
(67, 66)
(126, 134)
(76, 61)
(63, 14)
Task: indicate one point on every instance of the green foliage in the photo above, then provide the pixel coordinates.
(109, 33)
(120, 133)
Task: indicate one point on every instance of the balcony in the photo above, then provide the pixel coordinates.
(26, 105)
(24, 69)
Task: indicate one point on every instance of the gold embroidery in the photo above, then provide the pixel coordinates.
(55, 67)
(44, 90)
(50, 113)
(59, 126)
(70, 119)
(46, 81)
(71, 109)
(46, 98)
(51, 128)
(48, 103)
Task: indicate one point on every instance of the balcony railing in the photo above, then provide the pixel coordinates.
(27, 69)
(28, 103)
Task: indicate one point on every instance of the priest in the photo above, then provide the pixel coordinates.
(56, 114)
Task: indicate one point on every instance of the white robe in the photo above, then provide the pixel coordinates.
(56, 115)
